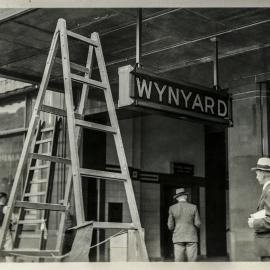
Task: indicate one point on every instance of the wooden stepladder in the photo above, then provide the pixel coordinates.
(75, 123)
(38, 191)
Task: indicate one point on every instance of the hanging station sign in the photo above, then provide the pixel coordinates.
(147, 91)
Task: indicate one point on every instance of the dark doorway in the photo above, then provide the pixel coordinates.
(216, 183)
(167, 193)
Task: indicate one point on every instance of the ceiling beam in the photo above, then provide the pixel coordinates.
(208, 59)
(10, 14)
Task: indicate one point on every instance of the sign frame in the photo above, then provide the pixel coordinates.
(145, 91)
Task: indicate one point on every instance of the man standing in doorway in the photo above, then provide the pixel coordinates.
(184, 221)
(260, 221)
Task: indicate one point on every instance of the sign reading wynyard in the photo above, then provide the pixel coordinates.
(150, 91)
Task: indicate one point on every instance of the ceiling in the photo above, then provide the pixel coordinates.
(175, 41)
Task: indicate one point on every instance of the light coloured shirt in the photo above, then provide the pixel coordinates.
(266, 184)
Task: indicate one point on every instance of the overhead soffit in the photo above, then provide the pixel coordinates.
(167, 37)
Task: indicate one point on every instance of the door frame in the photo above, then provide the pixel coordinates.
(174, 181)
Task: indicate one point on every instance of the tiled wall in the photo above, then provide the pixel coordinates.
(150, 214)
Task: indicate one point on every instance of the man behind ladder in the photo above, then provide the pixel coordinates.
(184, 221)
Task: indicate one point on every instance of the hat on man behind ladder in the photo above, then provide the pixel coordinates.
(180, 192)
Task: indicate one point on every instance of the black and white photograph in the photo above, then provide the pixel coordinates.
(134, 133)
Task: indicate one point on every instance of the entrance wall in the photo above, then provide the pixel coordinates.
(151, 143)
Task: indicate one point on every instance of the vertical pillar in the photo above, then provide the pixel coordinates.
(139, 37)
(248, 140)
(215, 64)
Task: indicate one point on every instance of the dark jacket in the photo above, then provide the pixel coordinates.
(184, 220)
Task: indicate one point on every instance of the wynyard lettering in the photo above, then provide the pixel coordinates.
(179, 96)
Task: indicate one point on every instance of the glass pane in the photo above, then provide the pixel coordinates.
(12, 115)
(10, 151)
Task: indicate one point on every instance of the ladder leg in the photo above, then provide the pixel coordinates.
(83, 100)
(29, 136)
(120, 148)
(77, 185)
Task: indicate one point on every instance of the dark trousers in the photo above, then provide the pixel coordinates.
(184, 250)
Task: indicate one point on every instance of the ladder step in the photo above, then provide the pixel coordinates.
(44, 141)
(29, 236)
(114, 225)
(106, 225)
(34, 194)
(29, 252)
(56, 111)
(50, 158)
(91, 82)
(46, 129)
(40, 181)
(31, 221)
(82, 38)
(74, 66)
(95, 126)
(39, 167)
(40, 206)
(102, 174)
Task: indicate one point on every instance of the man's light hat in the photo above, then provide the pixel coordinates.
(180, 192)
(263, 164)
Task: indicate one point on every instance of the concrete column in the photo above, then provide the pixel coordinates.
(248, 139)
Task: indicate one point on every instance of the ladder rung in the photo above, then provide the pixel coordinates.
(74, 66)
(56, 111)
(95, 126)
(40, 181)
(102, 174)
(31, 221)
(114, 225)
(82, 38)
(106, 225)
(29, 236)
(40, 206)
(34, 194)
(44, 141)
(46, 129)
(50, 158)
(91, 82)
(45, 166)
(30, 252)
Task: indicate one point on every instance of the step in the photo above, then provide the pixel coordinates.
(29, 236)
(39, 167)
(50, 158)
(114, 225)
(40, 181)
(57, 111)
(106, 225)
(91, 82)
(29, 252)
(40, 206)
(95, 126)
(82, 38)
(47, 129)
(74, 66)
(102, 174)
(27, 195)
(44, 141)
(31, 221)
